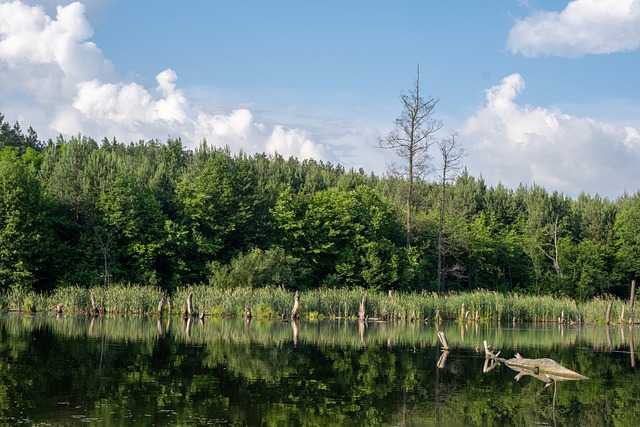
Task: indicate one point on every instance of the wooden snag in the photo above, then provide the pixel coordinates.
(296, 306)
(361, 309)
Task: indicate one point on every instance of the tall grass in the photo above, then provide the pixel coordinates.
(276, 302)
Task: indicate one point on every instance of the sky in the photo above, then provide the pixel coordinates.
(541, 92)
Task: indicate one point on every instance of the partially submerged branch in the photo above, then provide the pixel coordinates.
(443, 341)
(546, 370)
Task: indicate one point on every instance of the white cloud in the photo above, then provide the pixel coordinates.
(523, 144)
(294, 141)
(49, 70)
(582, 27)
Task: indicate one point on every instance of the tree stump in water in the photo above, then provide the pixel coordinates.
(608, 315)
(296, 307)
(94, 304)
(190, 305)
(185, 313)
(361, 309)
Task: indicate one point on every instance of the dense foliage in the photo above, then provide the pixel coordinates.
(79, 212)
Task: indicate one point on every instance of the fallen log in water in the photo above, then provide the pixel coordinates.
(545, 370)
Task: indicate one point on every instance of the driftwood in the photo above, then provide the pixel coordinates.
(443, 341)
(546, 370)
(445, 350)
(296, 306)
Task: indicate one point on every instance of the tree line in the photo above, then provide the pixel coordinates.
(81, 212)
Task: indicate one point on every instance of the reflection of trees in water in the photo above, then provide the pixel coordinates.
(251, 372)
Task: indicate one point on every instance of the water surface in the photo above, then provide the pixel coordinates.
(118, 371)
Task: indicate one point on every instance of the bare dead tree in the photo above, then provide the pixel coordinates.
(410, 139)
(554, 232)
(449, 168)
(105, 243)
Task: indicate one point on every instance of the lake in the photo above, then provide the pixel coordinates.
(117, 371)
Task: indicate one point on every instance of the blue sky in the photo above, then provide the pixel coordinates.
(541, 92)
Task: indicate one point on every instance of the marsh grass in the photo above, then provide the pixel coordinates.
(332, 303)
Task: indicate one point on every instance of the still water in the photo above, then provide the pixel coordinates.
(118, 371)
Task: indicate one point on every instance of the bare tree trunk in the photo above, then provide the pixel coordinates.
(633, 293)
(555, 259)
(450, 166)
(608, 316)
(190, 305)
(105, 242)
(94, 304)
(410, 139)
(409, 203)
(361, 309)
(160, 305)
(441, 232)
(296, 307)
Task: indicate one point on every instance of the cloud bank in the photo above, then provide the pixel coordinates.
(54, 78)
(59, 81)
(517, 144)
(582, 27)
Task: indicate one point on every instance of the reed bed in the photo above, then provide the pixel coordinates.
(276, 302)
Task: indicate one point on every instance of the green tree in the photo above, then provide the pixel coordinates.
(218, 200)
(343, 237)
(132, 228)
(627, 243)
(23, 238)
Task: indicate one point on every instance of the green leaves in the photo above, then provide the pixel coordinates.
(347, 237)
(21, 227)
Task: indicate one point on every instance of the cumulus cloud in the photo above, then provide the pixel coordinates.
(582, 27)
(523, 144)
(294, 140)
(50, 69)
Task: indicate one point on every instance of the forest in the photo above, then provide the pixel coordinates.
(82, 212)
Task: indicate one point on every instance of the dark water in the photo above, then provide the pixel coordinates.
(145, 372)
